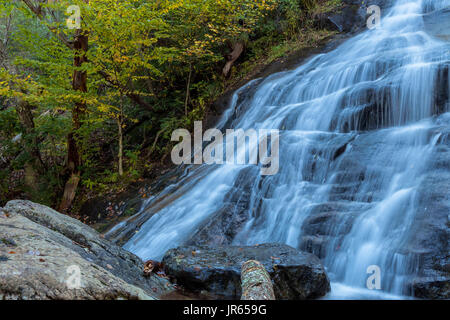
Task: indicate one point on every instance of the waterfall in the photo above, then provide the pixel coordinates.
(358, 126)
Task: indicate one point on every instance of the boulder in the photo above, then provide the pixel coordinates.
(217, 270)
(42, 252)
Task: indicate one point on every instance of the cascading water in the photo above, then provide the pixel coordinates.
(358, 126)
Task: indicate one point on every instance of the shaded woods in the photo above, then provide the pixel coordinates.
(91, 109)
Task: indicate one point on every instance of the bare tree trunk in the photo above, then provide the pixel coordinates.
(79, 83)
(255, 282)
(26, 119)
(36, 166)
(238, 48)
(70, 191)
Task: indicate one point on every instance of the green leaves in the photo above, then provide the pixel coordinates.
(141, 54)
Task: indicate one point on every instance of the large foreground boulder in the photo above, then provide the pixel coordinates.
(47, 255)
(217, 270)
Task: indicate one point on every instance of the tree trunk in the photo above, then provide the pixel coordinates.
(238, 48)
(79, 83)
(36, 166)
(120, 155)
(255, 282)
(26, 119)
(70, 191)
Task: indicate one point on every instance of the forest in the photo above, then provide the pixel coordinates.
(87, 106)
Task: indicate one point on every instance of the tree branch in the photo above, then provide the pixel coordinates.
(39, 12)
(134, 97)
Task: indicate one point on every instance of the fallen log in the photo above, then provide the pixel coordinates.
(255, 282)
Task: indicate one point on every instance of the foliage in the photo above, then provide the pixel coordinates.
(152, 67)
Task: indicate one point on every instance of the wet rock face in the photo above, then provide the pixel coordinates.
(217, 270)
(328, 223)
(227, 222)
(437, 23)
(431, 287)
(430, 237)
(39, 245)
(352, 17)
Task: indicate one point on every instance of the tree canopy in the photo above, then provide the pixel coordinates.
(73, 101)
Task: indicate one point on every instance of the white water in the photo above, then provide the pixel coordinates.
(317, 108)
